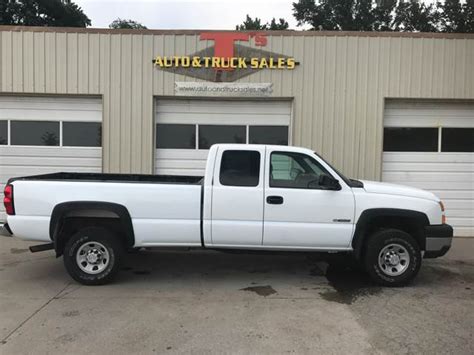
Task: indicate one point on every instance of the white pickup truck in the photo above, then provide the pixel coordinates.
(252, 197)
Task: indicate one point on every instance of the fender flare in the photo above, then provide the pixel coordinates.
(61, 210)
(369, 215)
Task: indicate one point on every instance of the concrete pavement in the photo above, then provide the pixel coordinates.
(208, 302)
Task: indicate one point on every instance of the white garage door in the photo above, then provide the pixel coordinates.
(186, 128)
(40, 135)
(430, 145)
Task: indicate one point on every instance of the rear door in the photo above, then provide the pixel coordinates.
(237, 196)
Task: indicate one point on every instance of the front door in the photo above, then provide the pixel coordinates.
(237, 197)
(298, 212)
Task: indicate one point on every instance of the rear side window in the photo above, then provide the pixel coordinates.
(240, 168)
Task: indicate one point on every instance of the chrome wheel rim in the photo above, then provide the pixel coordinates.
(394, 259)
(92, 257)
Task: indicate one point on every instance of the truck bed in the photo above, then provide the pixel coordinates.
(100, 177)
(165, 210)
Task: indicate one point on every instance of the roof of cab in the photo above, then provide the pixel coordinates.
(238, 146)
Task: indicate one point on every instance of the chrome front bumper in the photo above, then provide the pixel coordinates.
(5, 231)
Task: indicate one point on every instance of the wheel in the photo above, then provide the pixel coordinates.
(392, 257)
(92, 256)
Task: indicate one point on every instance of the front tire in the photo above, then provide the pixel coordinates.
(92, 256)
(392, 257)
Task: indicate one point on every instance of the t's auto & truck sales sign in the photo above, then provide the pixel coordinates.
(227, 60)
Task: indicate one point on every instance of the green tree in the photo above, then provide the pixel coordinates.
(383, 15)
(368, 15)
(363, 15)
(469, 13)
(256, 24)
(282, 24)
(413, 15)
(251, 24)
(323, 14)
(457, 16)
(122, 23)
(58, 13)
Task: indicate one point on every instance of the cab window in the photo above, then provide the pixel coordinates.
(294, 170)
(240, 168)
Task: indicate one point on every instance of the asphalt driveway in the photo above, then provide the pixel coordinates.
(208, 302)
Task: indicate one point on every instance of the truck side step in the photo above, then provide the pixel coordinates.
(41, 247)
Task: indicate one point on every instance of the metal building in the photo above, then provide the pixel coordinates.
(396, 107)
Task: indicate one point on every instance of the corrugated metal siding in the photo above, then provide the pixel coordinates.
(339, 87)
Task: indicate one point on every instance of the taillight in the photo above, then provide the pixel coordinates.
(8, 200)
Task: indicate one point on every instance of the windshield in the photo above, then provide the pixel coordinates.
(350, 182)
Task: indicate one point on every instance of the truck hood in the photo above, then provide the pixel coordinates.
(400, 190)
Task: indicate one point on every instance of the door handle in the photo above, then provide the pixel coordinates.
(275, 200)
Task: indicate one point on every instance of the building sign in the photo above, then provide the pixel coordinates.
(223, 89)
(224, 63)
(227, 60)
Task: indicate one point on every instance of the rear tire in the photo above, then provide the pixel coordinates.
(92, 256)
(392, 257)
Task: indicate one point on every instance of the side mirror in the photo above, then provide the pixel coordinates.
(328, 182)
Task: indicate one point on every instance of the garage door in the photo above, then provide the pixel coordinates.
(41, 135)
(185, 129)
(430, 145)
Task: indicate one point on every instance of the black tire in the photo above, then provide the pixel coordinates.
(392, 242)
(93, 240)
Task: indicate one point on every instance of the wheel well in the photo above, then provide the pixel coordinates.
(72, 225)
(406, 224)
(411, 222)
(69, 218)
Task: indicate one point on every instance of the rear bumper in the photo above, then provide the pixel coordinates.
(5, 230)
(438, 240)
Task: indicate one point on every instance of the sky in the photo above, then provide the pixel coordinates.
(186, 14)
